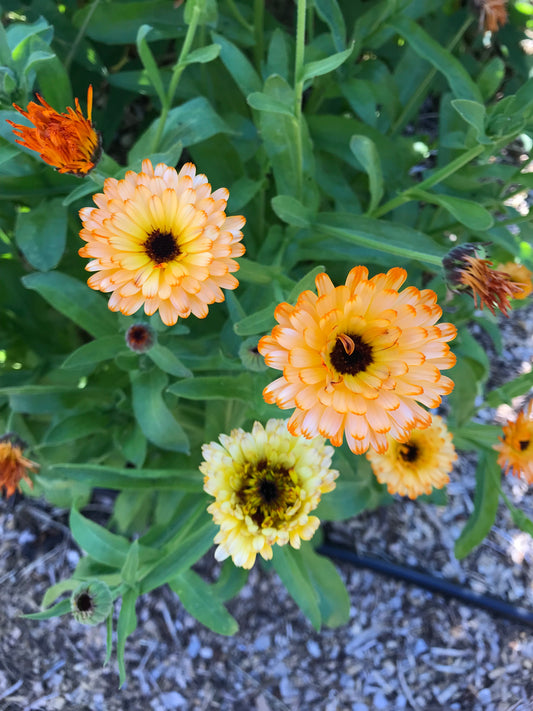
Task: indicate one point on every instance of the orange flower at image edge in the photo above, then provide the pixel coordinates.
(516, 446)
(520, 275)
(161, 239)
(13, 465)
(66, 141)
(358, 359)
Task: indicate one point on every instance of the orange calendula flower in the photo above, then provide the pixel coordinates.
(161, 239)
(466, 269)
(418, 465)
(492, 14)
(516, 446)
(359, 358)
(520, 275)
(67, 141)
(13, 465)
(265, 483)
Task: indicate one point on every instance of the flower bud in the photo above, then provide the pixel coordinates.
(140, 337)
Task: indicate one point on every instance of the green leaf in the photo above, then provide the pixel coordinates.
(504, 394)
(165, 359)
(74, 299)
(54, 83)
(238, 65)
(203, 55)
(392, 238)
(58, 589)
(469, 213)
(488, 474)
(291, 211)
(326, 65)
(214, 387)
(149, 63)
(102, 545)
(126, 625)
(131, 565)
(463, 397)
(41, 234)
(490, 77)
(253, 272)
(154, 418)
(258, 322)
(263, 102)
(201, 601)
(364, 149)
(306, 282)
(346, 500)
(474, 436)
(294, 575)
(429, 49)
(76, 426)
(333, 598)
(474, 114)
(330, 13)
(62, 608)
(97, 475)
(519, 518)
(96, 351)
(118, 23)
(230, 581)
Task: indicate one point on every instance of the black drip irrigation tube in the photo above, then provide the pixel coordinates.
(441, 586)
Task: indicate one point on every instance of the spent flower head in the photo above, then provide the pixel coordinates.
(13, 465)
(91, 602)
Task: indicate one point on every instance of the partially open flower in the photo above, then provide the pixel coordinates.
(13, 465)
(160, 239)
(516, 446)
(359, 358)
(520, 275)
(492, 14)
(66, 141)
(467, 270)
(91, 603)
(416, 466)
(140, 337)
(265, 482)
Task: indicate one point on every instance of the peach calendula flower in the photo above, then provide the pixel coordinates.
(13, 465)
(66, 141)
(466, 269)
(492, 14)
(516, 446)
(520, 275)
(359, 358)
(161, 239)
(265, 484)
(422, 462)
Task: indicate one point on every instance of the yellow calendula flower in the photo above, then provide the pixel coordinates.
(520, 275)
(418, 465)
(13, 465)
(162, 240)
(516, 446)
(265, 484)
(359, 359)
(66, 141)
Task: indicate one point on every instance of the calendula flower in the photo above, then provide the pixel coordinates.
(414, 467)
(265, 484)
(140, 337)
(516, 446)
(520, 275)
(13, 465)
(492, 14)
(66, 141)
(160, 239)
(467, 270)
(359, 358)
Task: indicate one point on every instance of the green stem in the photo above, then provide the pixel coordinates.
(176, 75)
(426, 82)
(237, 15)
(79, 36)
(437, 177)
(259, 16)
(299, 87)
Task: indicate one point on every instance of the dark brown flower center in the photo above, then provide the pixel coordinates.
(350, 354)
(524, 444)
(267, 492)
(408, 452)
(161, 247)
(84, 602)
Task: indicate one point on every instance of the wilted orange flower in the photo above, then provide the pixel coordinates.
(492, 14)
(416, 466)
(359, 358)
(161, 239)
(516, 446)
(520, 275)
(467, 270)
(13, 465)
(67, 141)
